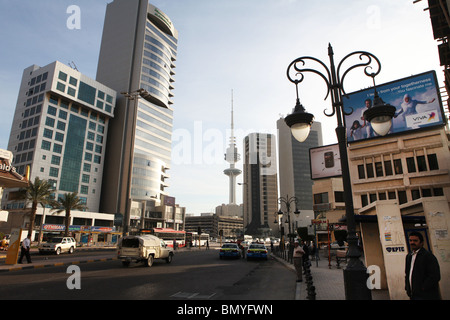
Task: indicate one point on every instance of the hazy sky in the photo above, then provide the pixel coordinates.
(225, 45)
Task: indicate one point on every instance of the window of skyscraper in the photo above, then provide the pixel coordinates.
(62, 76)
(86, 93)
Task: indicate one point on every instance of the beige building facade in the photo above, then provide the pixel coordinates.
(402, 183)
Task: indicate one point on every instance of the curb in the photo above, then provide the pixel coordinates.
(299, 290)
(55, 264)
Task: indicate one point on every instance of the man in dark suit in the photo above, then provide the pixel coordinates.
(422, 273)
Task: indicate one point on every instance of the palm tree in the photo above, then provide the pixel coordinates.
(37, 192)
(68, 202)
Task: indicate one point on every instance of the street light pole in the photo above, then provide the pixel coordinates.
(355, 274)
(245, 184)
(130, 96)
(287, 202)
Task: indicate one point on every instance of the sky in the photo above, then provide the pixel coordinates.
(230, 52)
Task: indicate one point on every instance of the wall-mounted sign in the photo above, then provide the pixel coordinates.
(395, 249)
(325, 162)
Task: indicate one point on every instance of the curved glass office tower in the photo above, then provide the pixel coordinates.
(137, 58)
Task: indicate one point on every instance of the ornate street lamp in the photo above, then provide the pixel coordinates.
(288, 201)
(355, 274)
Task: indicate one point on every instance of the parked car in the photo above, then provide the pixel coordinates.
(230, 250)
(144, 249)
(58, 245)
(257, 250)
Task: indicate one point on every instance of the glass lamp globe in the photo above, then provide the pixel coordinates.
(300, 131)
(380, 116)
(300, 122)
(381, 124)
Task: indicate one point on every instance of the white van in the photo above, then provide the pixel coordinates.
(145, 248)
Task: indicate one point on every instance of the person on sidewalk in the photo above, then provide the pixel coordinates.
(422, 273)
(298, 260)
(25, 249)
(305, 256)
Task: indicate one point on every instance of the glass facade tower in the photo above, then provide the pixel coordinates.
(137, 58)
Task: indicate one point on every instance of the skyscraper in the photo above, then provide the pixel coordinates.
(260, 184)
(294, 168)
(59, 130)
(137, 58)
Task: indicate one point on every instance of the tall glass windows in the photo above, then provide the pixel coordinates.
(86, 93)
(73, 155)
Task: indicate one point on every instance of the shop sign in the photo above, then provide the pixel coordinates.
(101, 229)
(395, 250)
(53, 227)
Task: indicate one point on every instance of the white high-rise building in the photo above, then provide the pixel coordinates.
(59, 130)
(137, 58)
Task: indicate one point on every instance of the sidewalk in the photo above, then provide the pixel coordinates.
(329, 283)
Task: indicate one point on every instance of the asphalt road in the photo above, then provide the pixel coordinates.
(192, 275)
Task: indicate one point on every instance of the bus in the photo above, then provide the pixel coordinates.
(192, 239)
(168, 235)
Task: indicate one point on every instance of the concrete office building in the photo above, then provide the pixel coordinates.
(402, 183)
(294, 169)
(138, 52)
(215, 225)
(59, 130)
(260, 184)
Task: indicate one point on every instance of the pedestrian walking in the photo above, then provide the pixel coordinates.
(298, 260)
(25, 249)
(305, 256)
(422, 273)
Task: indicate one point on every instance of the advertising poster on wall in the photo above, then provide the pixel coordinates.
(325, 162)
(416, 99)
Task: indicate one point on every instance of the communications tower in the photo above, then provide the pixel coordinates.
(232, 156)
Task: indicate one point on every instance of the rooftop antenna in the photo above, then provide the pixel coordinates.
(74, 66)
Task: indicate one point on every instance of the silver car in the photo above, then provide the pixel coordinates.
(58, 245)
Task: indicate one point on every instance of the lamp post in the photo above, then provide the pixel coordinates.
(245, 203)
(355, 274)
(288, 201)
(130, 96)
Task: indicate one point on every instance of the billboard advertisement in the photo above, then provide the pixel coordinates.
(325, 162)
(416, 99)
